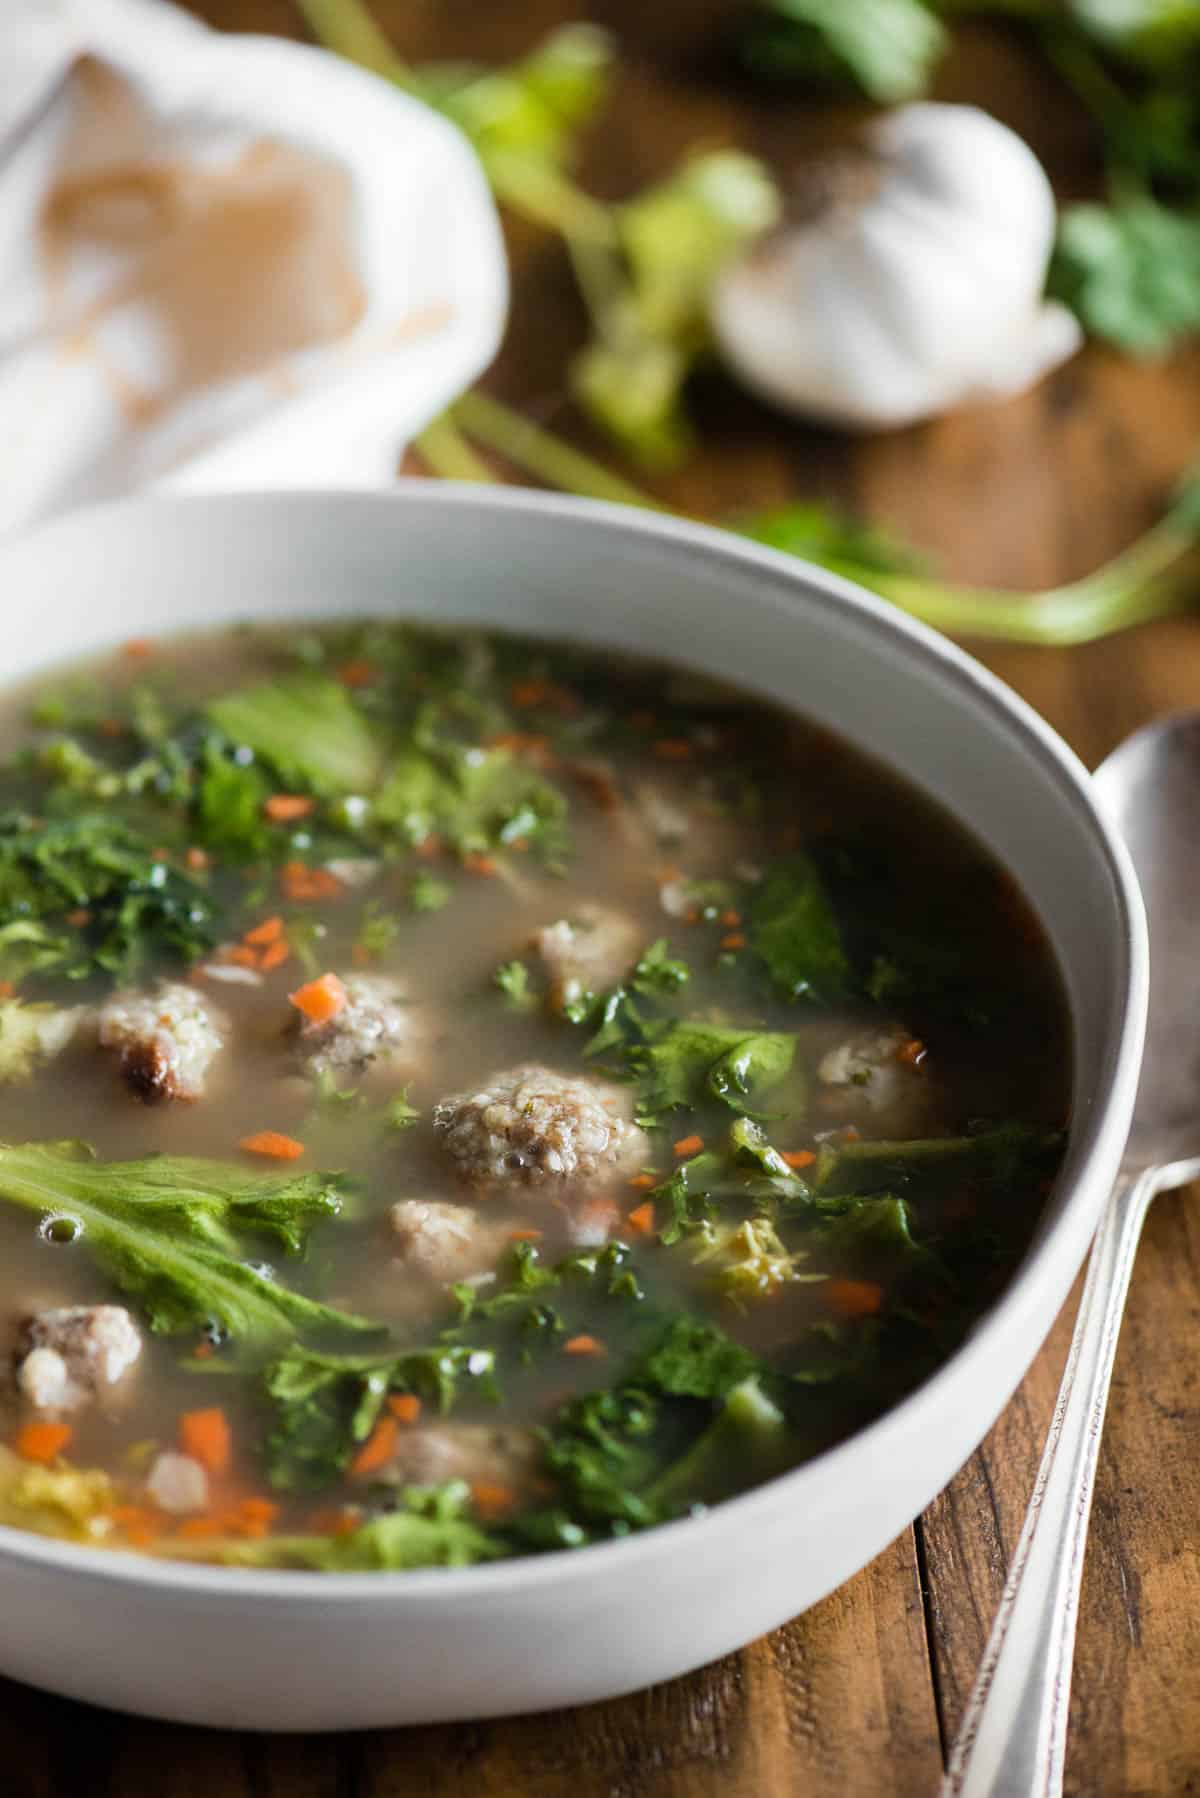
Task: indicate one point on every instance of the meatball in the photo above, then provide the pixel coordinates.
(178, 1484)
(532, 1124)
(586, 952)
(444, 1241)
(371, 1026)
(869, 1068)
(70, 1355)
(166, 1039)
(430, 1454)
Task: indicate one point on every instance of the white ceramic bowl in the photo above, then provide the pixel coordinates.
(308, 1651)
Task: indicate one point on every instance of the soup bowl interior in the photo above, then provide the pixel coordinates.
(306, 1651)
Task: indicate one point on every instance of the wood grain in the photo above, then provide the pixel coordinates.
(855, 1697)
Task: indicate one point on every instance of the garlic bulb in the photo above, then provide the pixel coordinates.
(906, 279)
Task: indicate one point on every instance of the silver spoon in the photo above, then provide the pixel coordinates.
(1012, 1738)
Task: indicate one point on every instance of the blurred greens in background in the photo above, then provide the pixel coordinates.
(1128, 263)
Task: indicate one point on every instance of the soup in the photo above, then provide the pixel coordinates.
(460, 1099)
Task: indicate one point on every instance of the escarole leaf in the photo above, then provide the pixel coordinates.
(167, 1230)
(138, 906)
(795, 934)
(680, 1063)
(307, 727)
(886, 48)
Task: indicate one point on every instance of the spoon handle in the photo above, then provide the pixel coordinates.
(1012, 1736)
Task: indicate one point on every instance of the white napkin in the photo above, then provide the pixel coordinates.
(224, 261)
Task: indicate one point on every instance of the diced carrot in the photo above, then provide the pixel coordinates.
(320, 999)
(258, 1510)
(492, 1499)
(7, 989)
(430, 847)
(206, 1437)
(525, 1235)
(139, 1524)
(274, 1144)
(584, 1345)
(160, 855)
(285, 808)
(643, 1182)
(204, 1350)
(242, 955)
(642, 1219)
(853, 1298)
(528, 693)
(299, 882)
(196, 859)
(269, 931)
(111, 727)
(332, 1520)
(851, 1133)
(687, 1145)
(360, 955)
(673, 749)
(912, 1053)
(730, 918)
(358, 672)
(482, 865)
(273, 956)
(138, 648)
(735, 940)
(198, 1529)
(405, 1407)
(378, 1449)
(691, 915)
(799, 1157)
(42, 1442)
(79, 917)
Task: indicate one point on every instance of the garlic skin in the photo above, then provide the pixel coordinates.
(910, 282)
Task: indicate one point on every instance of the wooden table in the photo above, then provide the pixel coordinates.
(858, 1698)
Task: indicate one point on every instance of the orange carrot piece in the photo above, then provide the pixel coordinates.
(332, 1520)
(320, 999)
(300, 882)
(204, 1350)
(854, 1298)
(799, 1157)
(642, 1219)
(269, 931)
(7, 989)
(492, 1499)
(242, 956)
(79, 917)
(378, 1449)
(42, 1442)
(673, 749)
(730, 918)
(139, 1524)
(687, 1145)
(285, 808)
(405, 1407)
(274, 956)
(484, 866)
(196, 859)
(206, 1437)
(197, 1529)
(258, 1510)
(274, 1144)
(735, 940)
(525, 1235)
(138, 648)
(912, 1053)
(358, 672)
(644, 1182)
(430, 847)
(584, 1345)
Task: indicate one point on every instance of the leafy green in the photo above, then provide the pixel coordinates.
(512, 978)
(886, 48)
(649, 303)
(1131, 270)
(400, 1115)
(819, 533)
(475, 799)
(870, 1236)
(169, 1229)
(229, 805)
(680, 1063)
(326, 1405)
(432, 1529)
(658, 971)
(747, 1441)
(427, 893)
(1001, 1155)
(139, 908)
(794, 932)
(30, 1035)
(307, 728)
(694, 1359)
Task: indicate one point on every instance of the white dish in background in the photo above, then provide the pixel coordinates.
(262, 1650)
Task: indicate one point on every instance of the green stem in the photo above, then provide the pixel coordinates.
(543, 455)
(447, 454)
(346, 27)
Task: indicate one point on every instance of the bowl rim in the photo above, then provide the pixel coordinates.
(1089, 1136)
